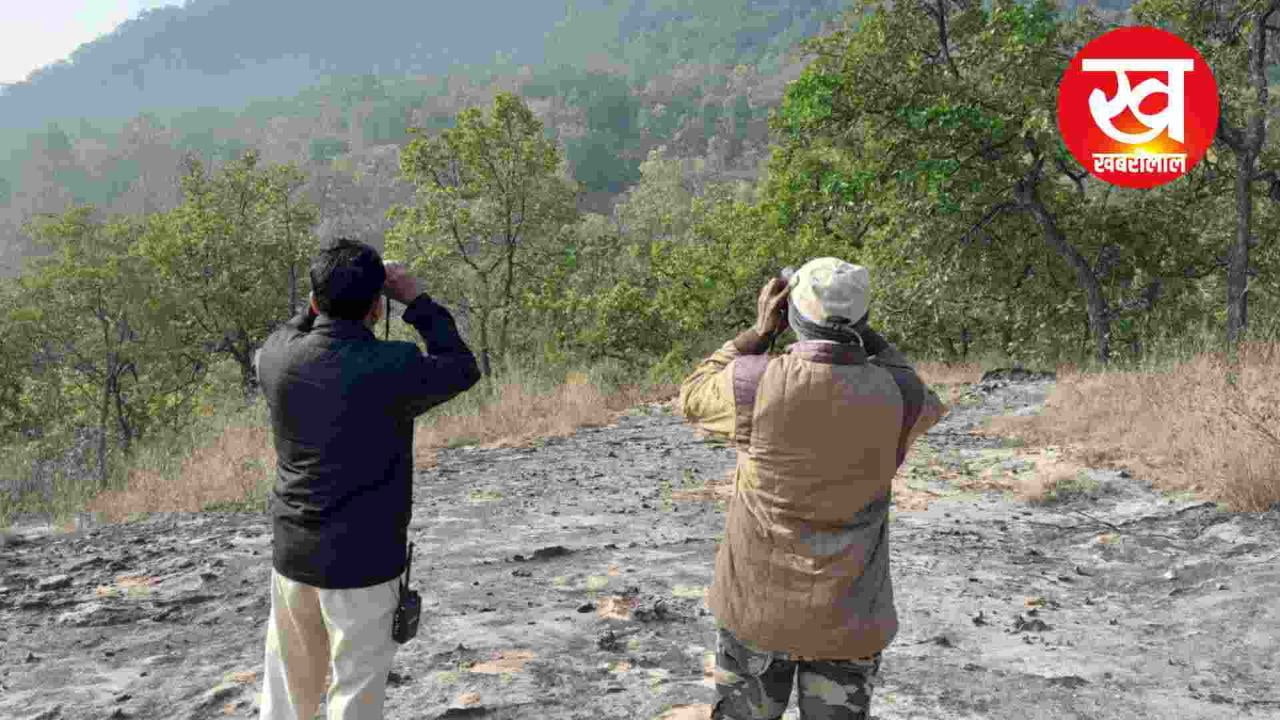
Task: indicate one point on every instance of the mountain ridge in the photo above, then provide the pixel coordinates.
(181, 56)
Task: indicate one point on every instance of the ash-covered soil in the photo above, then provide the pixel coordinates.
(565, 581)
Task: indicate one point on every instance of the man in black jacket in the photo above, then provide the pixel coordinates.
(342, 406)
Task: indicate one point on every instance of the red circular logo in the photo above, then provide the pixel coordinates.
(1138, 107)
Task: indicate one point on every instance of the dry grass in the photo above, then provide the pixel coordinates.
(518, 416)
(503, 661)
(233, 470)
(1209, 426)
(1187, 428)
(936, 373)
(230, 470)
(950, 380)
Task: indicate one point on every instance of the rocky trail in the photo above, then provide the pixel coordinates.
(565, 581)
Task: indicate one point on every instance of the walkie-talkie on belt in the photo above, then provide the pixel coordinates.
(404, 626)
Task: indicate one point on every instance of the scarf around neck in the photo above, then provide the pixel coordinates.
(806, 329)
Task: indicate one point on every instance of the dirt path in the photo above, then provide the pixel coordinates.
(565, 582)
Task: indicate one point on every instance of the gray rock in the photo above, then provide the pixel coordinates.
(54, 582)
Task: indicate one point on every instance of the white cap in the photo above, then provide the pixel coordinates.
(830, 291)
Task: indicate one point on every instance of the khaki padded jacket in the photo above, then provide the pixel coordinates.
(820, 432)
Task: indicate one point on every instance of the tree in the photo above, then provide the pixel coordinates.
(1239, 41)
(671, 271)
(18, 417)
(661, 205)
(491, 198)
(231, 254)
(89, 304)
(931, 124)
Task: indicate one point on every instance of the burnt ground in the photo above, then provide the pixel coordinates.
(565, 581)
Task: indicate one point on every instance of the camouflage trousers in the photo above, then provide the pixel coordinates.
(756, 685)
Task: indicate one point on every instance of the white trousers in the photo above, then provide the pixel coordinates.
(332, 645)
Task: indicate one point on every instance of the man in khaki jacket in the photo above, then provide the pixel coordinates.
(802, 588)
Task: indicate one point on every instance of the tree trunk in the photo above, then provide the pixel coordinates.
(508, 300)
(104, 414)
(122, 418)
(485, 368)
(1238, 252)
(293, 263)
(1247, 144)
(243, 354)
(1095, 301)
(293, 290)
(1100, 324)
(104, 409)
(248, 378)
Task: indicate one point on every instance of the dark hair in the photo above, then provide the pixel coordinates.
(346, 278)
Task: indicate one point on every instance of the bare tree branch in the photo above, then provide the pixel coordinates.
(986, 219)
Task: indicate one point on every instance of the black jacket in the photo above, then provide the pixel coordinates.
(342, 410)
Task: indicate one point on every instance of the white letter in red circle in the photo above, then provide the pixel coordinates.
(1138, 107)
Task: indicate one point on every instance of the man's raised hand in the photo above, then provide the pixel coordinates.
(400, 285)
(771, 308)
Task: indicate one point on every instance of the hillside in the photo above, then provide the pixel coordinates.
(224, 53)
(589, 605)
(967, 266)
(336, 92)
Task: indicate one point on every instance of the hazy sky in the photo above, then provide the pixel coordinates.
(34, 33)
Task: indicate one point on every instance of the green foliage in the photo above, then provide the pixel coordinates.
(19, 407)
(233, 255)
(600, 165)
(110, 333)
(326, 150)
(663, 279)
(599, 158)
(1066, 489)
(808, 102)
(919, 178)
(1028, 25)
(40, 482)
(491, 203)
(89, 306)
(1237, 40)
